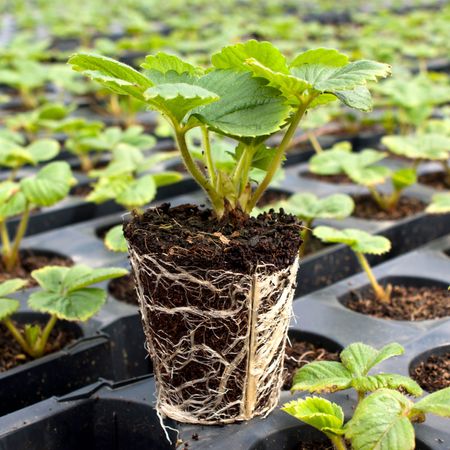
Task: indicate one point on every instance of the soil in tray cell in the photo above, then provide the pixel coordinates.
(433, 373)
(124, 289)
(332, 179)
(435, 180)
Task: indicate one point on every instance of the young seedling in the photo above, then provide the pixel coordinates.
(361, 243)
(440, 204)
(14, 156)
(126, 181)
(362, 169)
(249, 94)
(381, 419)
(421, 148)
(308, 207)
(65, 294)
(46, 188)
(382, 416)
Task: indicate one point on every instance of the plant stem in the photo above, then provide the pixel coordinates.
(306, 236)
(361, 396)
(208, 155)
(338, 442)
(86, 163)
(12, 257)
(275, 164)
(6, 243)
(42, 342)
(380, 293)
(379, 199)
(315, 142)
(12, 175)
(18, 336)
(216, 200)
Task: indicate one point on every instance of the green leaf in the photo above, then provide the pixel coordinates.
(367, 176)
(11, 286)
(166, 178)
(110, 187)
(358, 357)
(308, 206)
(81, 276)
(420, 146)
(115, 240)
(118, 77)
(50, 278)
(322, 376)
(138, 192)
(235, 56)
(43, 150)
(357, 240)
(326, 57)
(380, 422)
(329, 162)
(164, 62)
(178, 98)
(372, 383)
(32, 333)
(440, 204)
(358, 98)
(78, 305)
(8, 307)
(404, 178)
(12, 200)
(50, 185)
(247, 107)
(318, 412)
(436, 403)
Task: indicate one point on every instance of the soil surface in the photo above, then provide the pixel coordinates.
(300, 353)
(366, 208)
(436, 180)
(81, 190)
(272, 196)
(433, 373)
(333, 179)
(123, 289)
(12, 355)
(315, 445)
(29, 261)
(407, 303)
(191, 237)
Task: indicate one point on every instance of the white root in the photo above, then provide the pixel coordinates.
(236, 376)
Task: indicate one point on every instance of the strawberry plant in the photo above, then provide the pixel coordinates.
(65, 294)
(250, 93)
(47, 187)
(308, 207)
(383, 417)
(362, 169)
(361, 243)
(440, 204)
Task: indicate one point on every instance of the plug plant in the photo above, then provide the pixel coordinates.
(383, 417)
(47, 187)
(65, 294)
(422, 147)
(361, 243)
(362, 168)
(249, 93)
(308, 207)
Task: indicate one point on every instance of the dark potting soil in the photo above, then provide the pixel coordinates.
(124, 290)
(407, 303)
(315, 445)
(81, 190)
(272, 196)
(300, 353)
(433, 373)
(436, 180)
(30, 261)
(366, 208)
(333, 179)
(12, 355)
(190, 236)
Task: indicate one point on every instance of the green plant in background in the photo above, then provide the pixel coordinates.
(250, 93)
(308, 207)
(422, 147)
(65, 294)
(440, 204)
(47, 187)
(127, 181)
(28, 78)
(361, 243)
(14, 156)
(383, 417)
(362, 169)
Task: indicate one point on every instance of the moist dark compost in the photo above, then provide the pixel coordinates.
(124, 289)
(407, 303)
(367, 208)
(433, 374)
(436, 180)
(215, 300)
(339, 178)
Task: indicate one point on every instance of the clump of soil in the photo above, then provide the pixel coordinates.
(124, 289)
(81, 190)
(31, 260)
(190, 236)
(316, 445)
(300, 353)
(407, 303)
(339, 178)
(272, 196)
(433, 373)
(367, 208)
(436, 180)
(12, 355)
